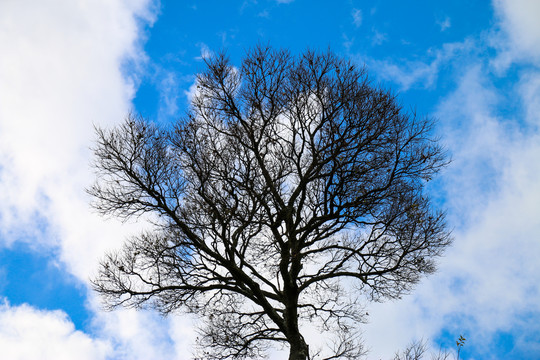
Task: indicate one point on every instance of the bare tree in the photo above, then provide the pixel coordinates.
(291, 192)
(419, 349)
(414, 351)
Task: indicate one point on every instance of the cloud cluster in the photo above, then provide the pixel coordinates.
(519, 24)
(488, 283)
(61, 70)
(27, 333)
(66, 66)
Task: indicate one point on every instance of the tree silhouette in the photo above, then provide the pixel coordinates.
(291, 192)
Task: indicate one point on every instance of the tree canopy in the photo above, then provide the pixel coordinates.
(292, 192)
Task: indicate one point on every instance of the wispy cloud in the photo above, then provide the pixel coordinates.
(444, 24)
(264, 14)
(169, 93)
(205, 51)
(407, 73)
(378, 37)
(357, 17)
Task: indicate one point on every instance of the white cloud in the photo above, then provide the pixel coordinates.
(61, 71)
(489, 281)
(519, 21)
(496, 173)
(192, 91)
(142, 335)
(529, 89)
(479, 142)
(27, 333)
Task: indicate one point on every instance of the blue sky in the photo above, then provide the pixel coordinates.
(69, 64)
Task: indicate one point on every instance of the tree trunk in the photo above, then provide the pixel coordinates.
(299, 349)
